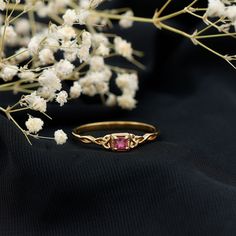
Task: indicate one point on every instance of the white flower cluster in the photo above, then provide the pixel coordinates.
(60, 52)
(222, 8)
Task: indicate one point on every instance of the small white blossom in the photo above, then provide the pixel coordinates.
(2, 5)
(34, 44)
(96, 63)
(61, 98)
(70, 17)
(22, 26)
(46, 56)
(8, 72)
(52, 44)
(64, 68)
(75, 90)
(215, 8)
(84, 3)
(41, 9)
(60, 137)
(111, 100)
(27, 75)
(102, 50)
(49, 79)
(66, 33)
(10, 35)
(123, 48)
(70, 49)
(128, 83)
(35, 102)
(94, 83)
(34, 125)
(46, 93)
(95, 3)
(98, 39)
(83, 16)
(126, 102)
(83, 53)
(124, 22)
(22, 54)
(230, 12)
(86, 39)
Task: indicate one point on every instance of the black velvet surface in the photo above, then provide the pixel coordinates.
(182, 184)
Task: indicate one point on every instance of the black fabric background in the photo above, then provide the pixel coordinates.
(182, 184)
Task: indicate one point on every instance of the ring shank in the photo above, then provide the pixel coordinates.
(112, 125)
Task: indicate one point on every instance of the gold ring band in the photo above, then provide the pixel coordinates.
(117, 141)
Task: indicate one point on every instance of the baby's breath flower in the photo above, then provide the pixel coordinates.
(22, 54)
(83, 53)
(49, 79)
(111, 100)
(60, 137)
(34, 44)
(126, 23)
(230, 12)
(61, 98)
(2, 5)
(22, 26)
(84, 3)
(95, 3)
(47, 93)
(128, 83)
(46, 56)
(83, 16)
(75, 90)
(70, 17)
(64, 68)
(8, 72)
(126, 102)
(52, 44)
(123, 48)
(86, 39)
(10, 34)
(35, 102)
(27, 75)
(98, 39)
(102, 50)
(66, 33)
(215, 8)
(34, 125)
(96, 63)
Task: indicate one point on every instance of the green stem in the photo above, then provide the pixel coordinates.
(119, 17)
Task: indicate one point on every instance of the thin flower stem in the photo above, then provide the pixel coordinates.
(119, 17)
(32, 22)
(209, 49)
(164, 7)
(40, 137)
(215, 35)
(15, 55)
(18, 7)
(18, 16)
(194, 14)
(175, 30)
(13, 106)
(19, 127)
(210, 26)
(6, 23)
(20, 109)
(172, 15)
(12, 10)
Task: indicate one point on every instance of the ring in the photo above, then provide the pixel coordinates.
(117, 141)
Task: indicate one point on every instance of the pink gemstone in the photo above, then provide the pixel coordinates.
(120, 143)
